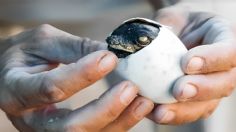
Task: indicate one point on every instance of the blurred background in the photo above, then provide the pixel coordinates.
(96, 19)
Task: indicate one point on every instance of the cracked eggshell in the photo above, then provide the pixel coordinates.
(155, 68)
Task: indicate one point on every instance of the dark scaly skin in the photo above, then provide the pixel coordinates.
(124, 40)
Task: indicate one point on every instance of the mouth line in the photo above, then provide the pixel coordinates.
(120, 53)
(120, 48)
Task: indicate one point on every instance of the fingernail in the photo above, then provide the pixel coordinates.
(188, 92)
(195, 64)
(128, 94)
(164, 116)
(142, 109)
(106, 62)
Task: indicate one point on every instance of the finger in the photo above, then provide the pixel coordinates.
(181, 113)
(206, 28)
(209, 58)
(196, 29)
(136, 111)
(38, 68)
(59, 83)
(42, 119)
(99, 113)
(91, 117)
(205, 87)
(57, 46)
(175, 17)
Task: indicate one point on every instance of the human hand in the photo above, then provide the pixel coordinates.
(118, 110)
(29, 73)
(209, 65)
(31, 83)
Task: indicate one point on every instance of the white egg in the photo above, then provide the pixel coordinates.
(155, 68)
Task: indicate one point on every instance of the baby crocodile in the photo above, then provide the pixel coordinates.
(131, 37)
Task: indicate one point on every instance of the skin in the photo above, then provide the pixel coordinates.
(31, 84)
(209, 65)
(131, 37)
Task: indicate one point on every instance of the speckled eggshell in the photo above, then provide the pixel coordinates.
(156, 67)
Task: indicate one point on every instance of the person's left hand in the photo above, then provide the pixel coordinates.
(210, 65)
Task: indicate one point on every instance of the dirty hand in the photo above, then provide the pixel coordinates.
(31, 83)
(209, 65)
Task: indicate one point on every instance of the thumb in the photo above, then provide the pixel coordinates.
(54, 45)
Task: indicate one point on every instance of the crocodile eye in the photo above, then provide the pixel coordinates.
(143, 41)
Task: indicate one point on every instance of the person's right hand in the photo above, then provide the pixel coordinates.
(31, 83)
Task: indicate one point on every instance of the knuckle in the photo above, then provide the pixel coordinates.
(231, 86)
(111, 113)
(207, 114)
(44, 31)
(51, 92)
(88, 77)
(45, 27)
(210, 108)
(129, 123)
(89, 74)
(228, 92)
